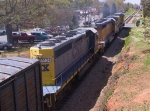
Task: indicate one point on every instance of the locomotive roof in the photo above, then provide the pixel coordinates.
(120, 14)
(101, 25)
(89, 28)
(70, 36)
(52, 44)
(70, 40)
(107, 21)
(12, 65)
(112, 19)
(114, 16)
(99, 20)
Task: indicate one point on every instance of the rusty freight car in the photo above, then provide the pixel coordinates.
(20, 84)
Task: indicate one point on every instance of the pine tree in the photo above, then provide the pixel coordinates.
(106, 10)
(146, 13)
(147, 8)
(114, 9)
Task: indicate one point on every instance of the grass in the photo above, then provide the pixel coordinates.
(127, 42)
(140, 12)
(138, 21)
(129, 12)
(135, 107)
(15, 51)
(147, 61)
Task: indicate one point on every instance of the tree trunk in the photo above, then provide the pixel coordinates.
(9, 33)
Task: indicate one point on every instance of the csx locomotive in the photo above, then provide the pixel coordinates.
(65, 58)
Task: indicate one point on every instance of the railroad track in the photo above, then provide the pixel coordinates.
(130, 17)
(61, 103)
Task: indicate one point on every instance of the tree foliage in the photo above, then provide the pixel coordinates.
(17, 11)
(81, 4)
(146, 14)
(106, 10)
(146, 8)
(13, 11)
(118, 3)
(147, 28)
(39, 12)
(33, 11)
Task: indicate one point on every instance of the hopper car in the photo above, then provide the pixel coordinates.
(20, 84)
(54, 66)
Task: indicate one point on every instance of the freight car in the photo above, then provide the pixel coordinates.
(20, 84)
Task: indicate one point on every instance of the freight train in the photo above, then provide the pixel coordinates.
(38, 83)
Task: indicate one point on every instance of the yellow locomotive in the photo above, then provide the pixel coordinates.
(65, 58)
(62, 59)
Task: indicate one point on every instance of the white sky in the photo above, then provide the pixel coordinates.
(133, 1)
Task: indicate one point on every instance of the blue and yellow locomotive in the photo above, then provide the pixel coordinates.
(63, 61)
(65, 58)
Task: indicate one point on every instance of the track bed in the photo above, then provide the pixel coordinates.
(86, 94)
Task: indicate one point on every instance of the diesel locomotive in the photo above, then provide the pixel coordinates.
(63, 60)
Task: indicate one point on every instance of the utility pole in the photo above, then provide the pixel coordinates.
(85, 9)
(144, 10)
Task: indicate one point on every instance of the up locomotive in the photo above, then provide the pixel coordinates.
(65, 61)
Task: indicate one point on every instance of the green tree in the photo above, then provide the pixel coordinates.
(38, 12)
(126, 7)
(81, 4)
(74, 21)
(146, 8)
(142, 2)
(18, 11)
(147, 29)
(118, 3)
(58, 12)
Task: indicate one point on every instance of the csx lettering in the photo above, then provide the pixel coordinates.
(45, 67)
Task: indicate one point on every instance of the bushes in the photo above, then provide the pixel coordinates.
(138, 22)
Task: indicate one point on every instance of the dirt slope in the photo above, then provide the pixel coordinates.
(133, 87)
(129, 85)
